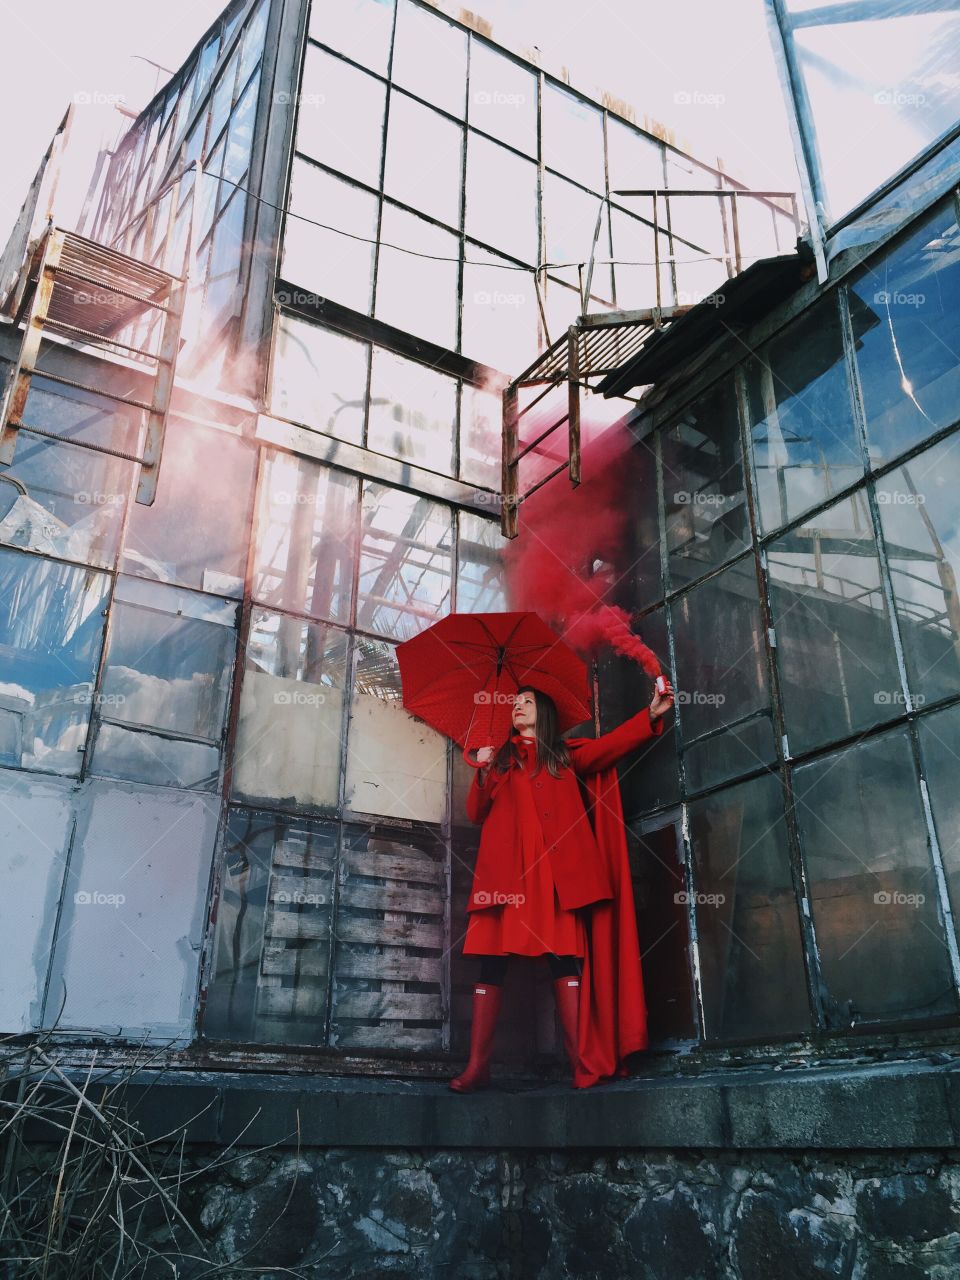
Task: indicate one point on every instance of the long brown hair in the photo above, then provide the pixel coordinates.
(551, 749)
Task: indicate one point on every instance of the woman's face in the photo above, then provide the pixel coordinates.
(525, 713)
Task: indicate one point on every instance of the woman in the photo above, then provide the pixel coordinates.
(538, 863)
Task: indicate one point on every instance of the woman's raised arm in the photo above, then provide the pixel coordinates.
(594, 754)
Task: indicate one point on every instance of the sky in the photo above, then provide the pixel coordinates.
(702, 68)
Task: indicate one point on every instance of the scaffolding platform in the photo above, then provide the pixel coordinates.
(83, 291)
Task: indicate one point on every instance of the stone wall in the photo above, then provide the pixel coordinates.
(524, 1215)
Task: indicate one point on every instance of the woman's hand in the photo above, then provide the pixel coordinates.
(661, 702)
(484, 755)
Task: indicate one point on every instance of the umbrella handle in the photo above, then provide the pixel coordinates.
(472, 763)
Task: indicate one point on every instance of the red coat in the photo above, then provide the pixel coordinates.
(503, 806)
(588, 853)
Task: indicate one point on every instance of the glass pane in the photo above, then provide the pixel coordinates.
(146, 757)
(906, 329)
(271, 954)
(413, 412)
(240, 133)
(503, 98)
(362, 29)
(500, 312)
(291, 711)
(481, 587)
(838, 669)
(801, 417)
(405, 562)
(332, 265)
(197, 529)
(872, 885)
(723, 692)
(636, 269)
(69, 502)
(704, 497)
(643, 582)
(570, 222)
(430, 57)
(253, 37)
(572, 136)
(319, 378)
(208, 59)
(340, 116)
(418, 294)
(169, 660)
(51, 628)
(222, 298)
(424, 160)
(222, 100)
(634, 161)
(939, 735)
(306, 540)
(657, 861)
(389, 948)
(396, 765)
(751, 966)
(501, 199)
(887, 76)
(650, 776)
(481, 414)
(918, 513)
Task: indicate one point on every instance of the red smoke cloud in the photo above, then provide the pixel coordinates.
(569, 554)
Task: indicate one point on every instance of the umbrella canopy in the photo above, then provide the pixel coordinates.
(460, 675)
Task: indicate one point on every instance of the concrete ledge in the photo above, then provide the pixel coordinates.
(882, 1106)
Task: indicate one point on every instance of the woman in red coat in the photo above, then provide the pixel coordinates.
(538, 861)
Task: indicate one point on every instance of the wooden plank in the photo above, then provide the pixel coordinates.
(305, 962)
(297, 924)
(359, 929)
(393, 866)
(346, 1036)
(392, 897)
(307, 858)
(393, 966)
(310, 890)
(387, 1005)
(306, 1001)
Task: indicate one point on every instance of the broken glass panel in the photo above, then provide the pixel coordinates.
(838, 669)
(906, 330)
(271, 954)
(481, 433)
(872, 885)
(805, 444)
(500, 311)
(405, 562)
(291, 712)
(51, 630)
(396, 765)
(413, 412)
(573, 136)
(196, 532)
(389, 944)
(745, 906)
(306, 537)
(918, 512)
(139, 756)
(319, 378)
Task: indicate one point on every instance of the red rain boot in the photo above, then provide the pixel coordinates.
(567, 992)
(486, 1009)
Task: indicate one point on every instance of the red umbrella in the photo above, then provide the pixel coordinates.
(460, 675)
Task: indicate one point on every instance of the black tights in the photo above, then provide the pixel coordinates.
(493, 969)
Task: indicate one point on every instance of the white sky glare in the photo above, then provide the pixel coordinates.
(703, 69)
